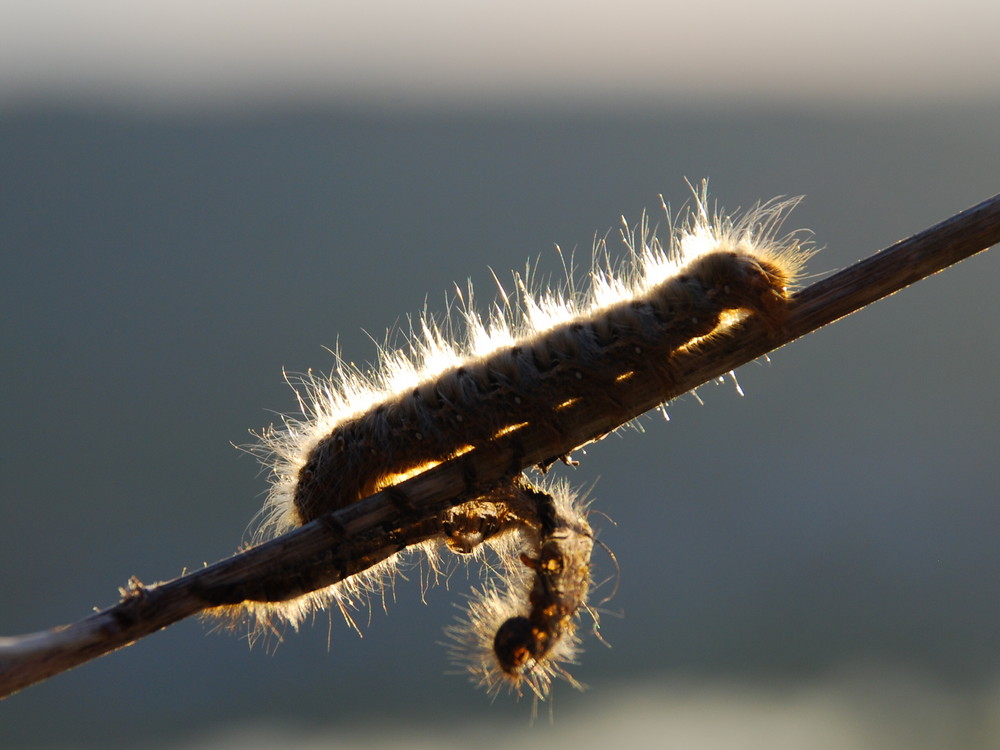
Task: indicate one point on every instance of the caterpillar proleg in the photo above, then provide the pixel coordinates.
(517, 376)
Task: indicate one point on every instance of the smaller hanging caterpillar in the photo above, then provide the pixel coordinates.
(520, 634)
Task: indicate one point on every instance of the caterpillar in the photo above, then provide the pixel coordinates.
(519, 634)
(362, 432)
(515, 375)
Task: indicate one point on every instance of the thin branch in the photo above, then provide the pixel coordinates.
(354, 538)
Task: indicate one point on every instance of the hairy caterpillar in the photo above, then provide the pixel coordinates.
(514, 372)
(519, 634)
(515, 375)
(543, 544)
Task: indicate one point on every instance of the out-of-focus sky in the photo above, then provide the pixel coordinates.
(813, 565)
(418, 52)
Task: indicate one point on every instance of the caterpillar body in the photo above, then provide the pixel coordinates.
(512, 375)
(515, 371)
(522, 385)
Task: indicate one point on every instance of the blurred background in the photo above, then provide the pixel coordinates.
(194, 196)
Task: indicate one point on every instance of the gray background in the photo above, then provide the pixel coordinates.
(194, 196)
(159, 273)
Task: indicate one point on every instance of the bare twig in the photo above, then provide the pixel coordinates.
(364, 533)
